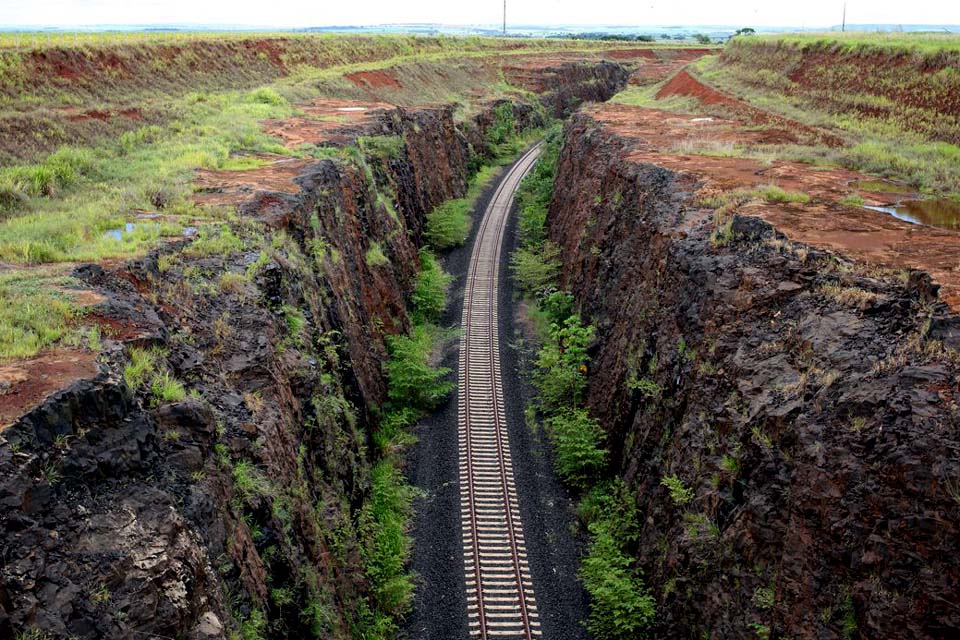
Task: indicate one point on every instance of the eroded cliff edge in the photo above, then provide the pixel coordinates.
(810, 403)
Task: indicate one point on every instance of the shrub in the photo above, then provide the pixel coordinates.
(430, 291)
(412, 380)
(132, 140)
(621, 606)
(536, 268)
(536, 190)
(560, 374)
(679, 492)
(448, 225)
(249, 481)
(13, 195)
(773, 193)
(502, 130)
(383, 147)
(386, 542)
(266, 95)
(578, 439)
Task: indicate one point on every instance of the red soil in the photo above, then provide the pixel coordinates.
(683, 84)
(869, 236)
(374, 79)
(328, 121)
(230, 188)
(25, 383)
(632, 54)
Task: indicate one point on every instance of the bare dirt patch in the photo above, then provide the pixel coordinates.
(230, 188)
(374, 80)
(326, 121)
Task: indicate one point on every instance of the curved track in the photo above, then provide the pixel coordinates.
(500, 597)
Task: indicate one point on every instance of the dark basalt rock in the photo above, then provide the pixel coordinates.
(821, 438)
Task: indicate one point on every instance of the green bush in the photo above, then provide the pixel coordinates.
(578, 440)
(13, 195)
(502, 130)
(387, 544)
(560, 374)
(536, 190)
(448, 225)
(537, 267)
(621, 606)
(412, 380)
(266, 95)
(430, 291)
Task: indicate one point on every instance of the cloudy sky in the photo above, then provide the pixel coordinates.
(805, 13)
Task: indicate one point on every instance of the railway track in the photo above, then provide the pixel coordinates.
(500, 597)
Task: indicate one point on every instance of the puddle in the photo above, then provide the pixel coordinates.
(117, 234)
(351, 108)
(944, 214)
(702, 120)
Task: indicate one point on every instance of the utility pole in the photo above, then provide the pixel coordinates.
(504, 17)
(843, 26)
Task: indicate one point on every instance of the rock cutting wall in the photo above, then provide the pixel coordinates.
(810, 404)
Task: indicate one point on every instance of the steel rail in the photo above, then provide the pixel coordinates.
(500, 596)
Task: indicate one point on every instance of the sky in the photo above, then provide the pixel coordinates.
(302, 13)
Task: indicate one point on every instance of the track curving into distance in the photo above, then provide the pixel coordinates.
(500, 597)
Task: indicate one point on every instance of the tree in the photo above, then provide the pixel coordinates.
(746, 31)
(701, 38)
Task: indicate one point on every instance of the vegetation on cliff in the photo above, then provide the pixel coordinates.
(621, 605)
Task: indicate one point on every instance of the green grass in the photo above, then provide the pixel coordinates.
(146, 368)
(861, 41)
(36, 312)
(141, 367)
(900, 142)
(74, 198)
(375, 257)
(646, 97)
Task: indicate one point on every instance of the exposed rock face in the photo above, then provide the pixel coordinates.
(237, 504)
(801, 397)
